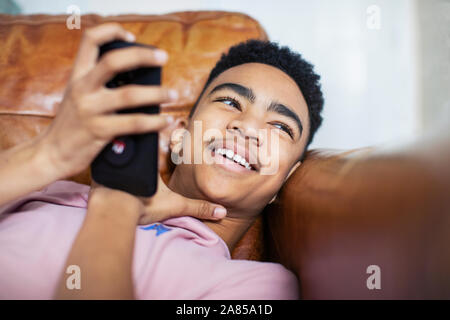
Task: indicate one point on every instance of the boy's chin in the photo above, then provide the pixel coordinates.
(219, 195)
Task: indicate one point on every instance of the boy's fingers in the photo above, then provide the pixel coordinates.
(107, 127)
(203, 209)
(91, 40)
(129, 96)
(122, 60)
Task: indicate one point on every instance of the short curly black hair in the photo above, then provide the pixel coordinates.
(291, 63)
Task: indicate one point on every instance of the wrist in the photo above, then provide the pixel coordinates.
(44, 162)
(114, 204)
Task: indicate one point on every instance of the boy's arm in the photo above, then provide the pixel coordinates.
(25, 168)
(103, 249)
(85, 121)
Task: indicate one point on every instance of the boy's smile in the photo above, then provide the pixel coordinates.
(240, 114)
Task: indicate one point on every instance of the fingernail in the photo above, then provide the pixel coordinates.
(130, 37)
(173, 94)
(161, 55)
(220, 213)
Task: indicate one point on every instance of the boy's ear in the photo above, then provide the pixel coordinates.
(296, 165)
(165, 137)
(176, 137)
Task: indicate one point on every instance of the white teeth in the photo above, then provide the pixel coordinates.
(235, 157)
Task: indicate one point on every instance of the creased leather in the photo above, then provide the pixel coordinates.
(37, 53)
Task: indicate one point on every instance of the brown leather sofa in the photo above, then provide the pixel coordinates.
(339, 213)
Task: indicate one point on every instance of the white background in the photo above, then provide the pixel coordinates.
(370, 78)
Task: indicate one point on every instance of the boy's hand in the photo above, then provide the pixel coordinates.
(163, 205)
(112, 202)
(86, 119)
(168, 204)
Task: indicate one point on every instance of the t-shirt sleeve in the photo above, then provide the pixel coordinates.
(13, 205)
(62, 192)
(260, 281)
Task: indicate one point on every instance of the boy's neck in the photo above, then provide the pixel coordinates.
(231, 228)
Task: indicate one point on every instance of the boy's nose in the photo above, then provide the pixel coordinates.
(247, 133)
(248, 126)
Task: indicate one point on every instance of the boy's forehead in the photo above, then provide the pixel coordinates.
(253, 71)
(267, 82)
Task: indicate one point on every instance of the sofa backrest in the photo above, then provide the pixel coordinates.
(37, 53)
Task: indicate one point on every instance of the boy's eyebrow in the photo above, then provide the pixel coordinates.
(285, 111)
(248, 94)
(245, 92)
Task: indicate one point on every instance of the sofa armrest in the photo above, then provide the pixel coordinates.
(342, 212)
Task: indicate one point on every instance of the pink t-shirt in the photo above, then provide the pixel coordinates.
(180, 258)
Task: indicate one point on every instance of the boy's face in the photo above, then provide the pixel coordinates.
(259, 113)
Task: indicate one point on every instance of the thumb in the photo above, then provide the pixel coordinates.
(204, 210)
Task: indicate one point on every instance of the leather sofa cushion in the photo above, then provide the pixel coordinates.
(37, 53)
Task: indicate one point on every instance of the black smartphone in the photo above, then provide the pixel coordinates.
(130, 163)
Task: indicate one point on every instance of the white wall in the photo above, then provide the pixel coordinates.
(435, 63)
(369, 76)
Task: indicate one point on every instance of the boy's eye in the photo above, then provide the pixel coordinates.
(285, 128)
(230, 101)
(235, 104)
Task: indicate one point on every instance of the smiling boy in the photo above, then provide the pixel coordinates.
(240, 102)
(257, 86)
